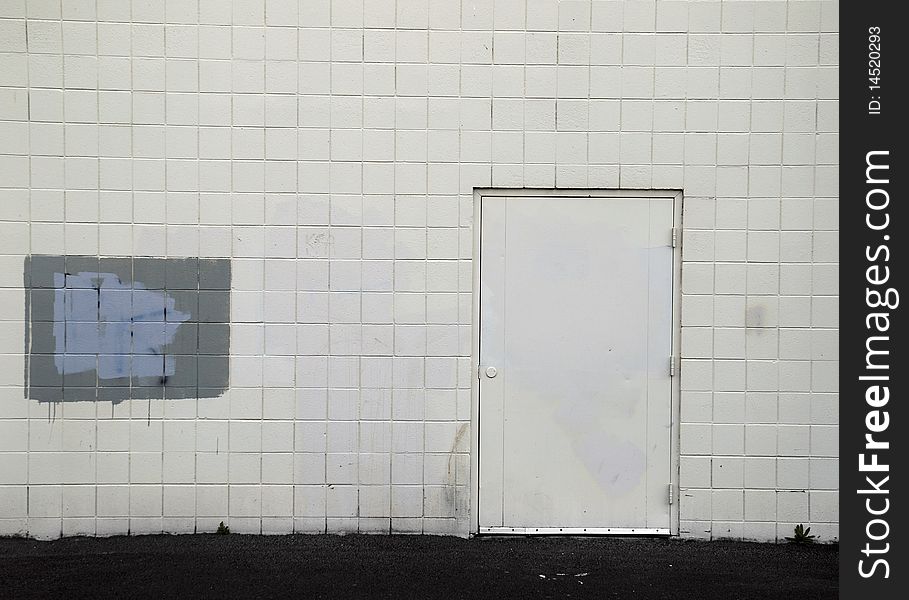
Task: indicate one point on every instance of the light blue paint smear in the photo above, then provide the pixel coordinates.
(127, 324)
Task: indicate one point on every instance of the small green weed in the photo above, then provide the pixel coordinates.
(800, 535)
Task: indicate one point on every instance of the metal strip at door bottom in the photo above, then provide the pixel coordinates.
(574, 530)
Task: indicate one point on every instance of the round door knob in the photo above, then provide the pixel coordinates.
(491, 372)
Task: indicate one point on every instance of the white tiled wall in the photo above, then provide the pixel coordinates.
(330, 149)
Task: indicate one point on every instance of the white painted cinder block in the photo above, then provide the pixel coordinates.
(331, 150)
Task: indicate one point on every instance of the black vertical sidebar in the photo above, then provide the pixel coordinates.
(874, 370)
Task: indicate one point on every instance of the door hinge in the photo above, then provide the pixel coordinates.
(671, 365)
(670, 493)
(478, 372)
(675, 237)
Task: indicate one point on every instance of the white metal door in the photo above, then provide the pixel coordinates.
(575, 394)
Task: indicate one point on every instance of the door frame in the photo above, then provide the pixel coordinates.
(673, 491)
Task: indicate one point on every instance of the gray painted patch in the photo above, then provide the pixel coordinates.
(120, 328)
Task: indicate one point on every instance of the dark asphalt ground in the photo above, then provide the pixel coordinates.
(360, 566)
